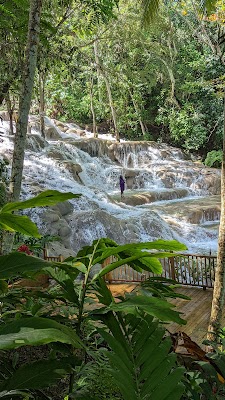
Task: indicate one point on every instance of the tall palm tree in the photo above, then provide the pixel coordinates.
(150, 10)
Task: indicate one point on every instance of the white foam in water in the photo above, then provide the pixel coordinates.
(100, 178)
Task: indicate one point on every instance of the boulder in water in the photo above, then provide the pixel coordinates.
(52, 133)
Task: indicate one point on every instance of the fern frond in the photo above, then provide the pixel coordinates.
(144, 369)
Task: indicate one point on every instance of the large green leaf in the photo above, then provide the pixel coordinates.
(114, 265)
(17, 394)
(36, 331)
(19, 223)
(17, 263)
(138, 261)
(161, 287)
(154, 306)
(39, 374)
(46, 198)
(131, 248)
(66, 282)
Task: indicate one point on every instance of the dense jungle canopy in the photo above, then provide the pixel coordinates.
(101, 66)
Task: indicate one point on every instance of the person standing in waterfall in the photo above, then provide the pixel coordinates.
(122, 185)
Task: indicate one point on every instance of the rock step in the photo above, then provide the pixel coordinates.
(195, 211)
(137, 198)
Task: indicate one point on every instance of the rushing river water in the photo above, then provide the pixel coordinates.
(166, 196)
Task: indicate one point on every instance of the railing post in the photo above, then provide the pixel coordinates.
(108, 277)
(171, 261)
(45, 253)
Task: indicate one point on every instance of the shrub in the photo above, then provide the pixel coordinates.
(214, 158)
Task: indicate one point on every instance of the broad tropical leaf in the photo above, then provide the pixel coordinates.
(132, 248)
(17, 263)
(46, 198)
(39, 374)
(18, 223)
(66, 283)
(154, 306)
(36, 331)
(13, 394)
(3, 286)
(161, 287)
(154, 265)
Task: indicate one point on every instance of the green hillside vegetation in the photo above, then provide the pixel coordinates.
(162, 82)
(142, 70)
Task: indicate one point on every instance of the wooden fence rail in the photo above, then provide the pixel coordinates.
(59, 258)
(186, 269)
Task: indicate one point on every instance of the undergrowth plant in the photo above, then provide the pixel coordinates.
(84, 327)
(36, 245)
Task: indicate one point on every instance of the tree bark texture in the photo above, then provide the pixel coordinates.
(25, 98)
(108, 88)
(42, 102)
(4, 88)
(95, 129)
(10, 109)
(219, 284)
(138, 113)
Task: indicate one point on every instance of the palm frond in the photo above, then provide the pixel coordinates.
(144, 369)
(150, 10)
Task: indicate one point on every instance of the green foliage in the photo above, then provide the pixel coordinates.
(186, 127)
(160, 287)
(129, 334)
(46, 198)
(38, 320)
(16, 263)
(130, 367)
(13, 222)
(153, 306)
(214, 158)
(39, 374)
(36, 331)
(205, 379)
(35, 245)
(94, 379)
(171, 83)
(23, 224)
(2, 194)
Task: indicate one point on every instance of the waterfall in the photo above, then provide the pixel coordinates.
(160, 183)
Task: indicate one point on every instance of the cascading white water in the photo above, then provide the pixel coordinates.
(152, 171)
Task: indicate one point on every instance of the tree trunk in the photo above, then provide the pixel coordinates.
(10, 109)
(219, 284)
(42, 102)
(138, 114)
(108, 88)
(4, 90)
(172, 80)
(25, 98)
(95, 129)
